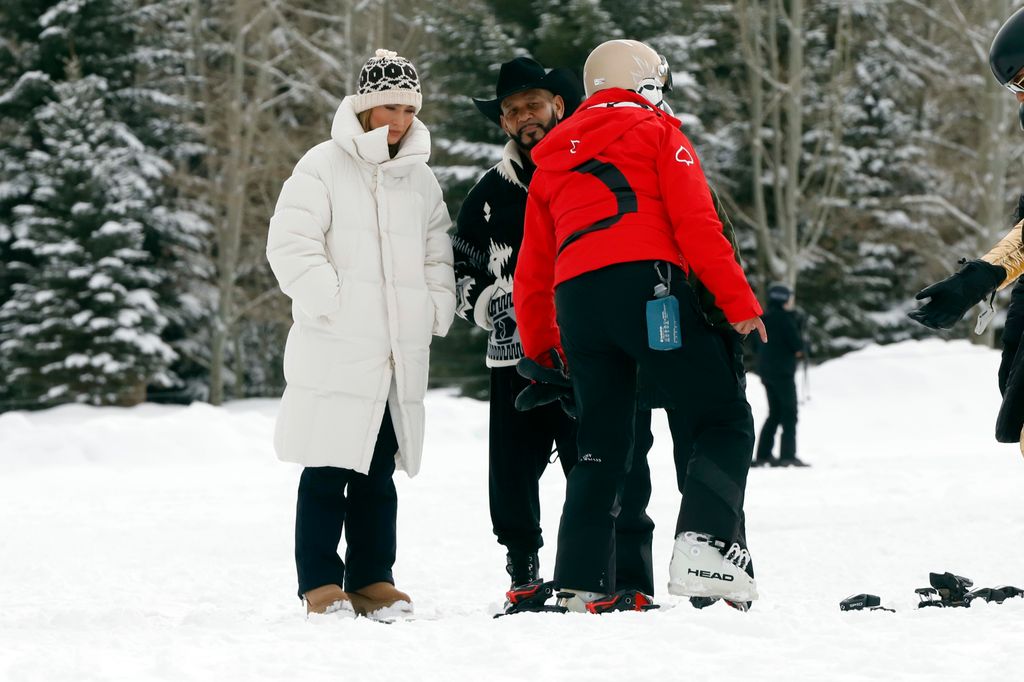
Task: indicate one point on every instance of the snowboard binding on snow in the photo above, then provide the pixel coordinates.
(947, 590)
(623, 600)
(861, 602)
(530, 598)
(994, 594)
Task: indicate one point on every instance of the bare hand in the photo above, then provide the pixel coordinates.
(747, 326)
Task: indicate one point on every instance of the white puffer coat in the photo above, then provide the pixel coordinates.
(359, 242)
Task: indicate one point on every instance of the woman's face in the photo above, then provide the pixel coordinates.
(397, 117)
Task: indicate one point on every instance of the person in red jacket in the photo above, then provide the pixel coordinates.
(618, 212)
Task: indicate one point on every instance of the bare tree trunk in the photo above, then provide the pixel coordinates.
(794, 107)
(994, 159)
(233, 179)
(749, 16)
(777, 82)
(348, 53)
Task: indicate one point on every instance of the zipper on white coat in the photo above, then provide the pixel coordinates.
(383, 216)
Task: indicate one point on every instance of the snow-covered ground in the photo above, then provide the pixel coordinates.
(155, 543)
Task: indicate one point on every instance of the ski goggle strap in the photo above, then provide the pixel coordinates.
(1016, 84)
(665, 71)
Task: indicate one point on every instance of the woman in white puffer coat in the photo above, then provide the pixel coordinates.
(359, 242)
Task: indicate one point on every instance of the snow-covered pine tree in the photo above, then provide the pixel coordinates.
(21, 90)
(84, 326)
(157, 107)
(465, 48)
(137, 70)
(567, 30)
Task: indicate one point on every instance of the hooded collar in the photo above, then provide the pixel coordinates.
(601, 119)
(371, 147)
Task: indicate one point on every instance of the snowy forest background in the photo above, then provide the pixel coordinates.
(861, 146)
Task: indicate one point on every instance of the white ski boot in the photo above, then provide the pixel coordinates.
(702, 567)
(575, 601)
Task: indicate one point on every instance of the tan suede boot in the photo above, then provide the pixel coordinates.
(377, 597)
(327, 599)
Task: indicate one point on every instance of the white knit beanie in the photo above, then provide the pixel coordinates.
(387, 78)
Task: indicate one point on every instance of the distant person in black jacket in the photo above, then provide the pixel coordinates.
(776, 363)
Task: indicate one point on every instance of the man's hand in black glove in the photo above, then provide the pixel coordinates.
(953, 297)
(548, 384)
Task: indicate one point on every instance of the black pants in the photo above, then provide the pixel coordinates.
(782, 408)
(634, 529)
(682, 453)
(365, 505)
(705, 475)
(602, 319)
(520, 450)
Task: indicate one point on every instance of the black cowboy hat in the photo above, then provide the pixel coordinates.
(523, 73)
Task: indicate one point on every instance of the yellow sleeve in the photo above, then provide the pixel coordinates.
(1008, 253)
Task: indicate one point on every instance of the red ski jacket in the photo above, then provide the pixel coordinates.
(618, 182)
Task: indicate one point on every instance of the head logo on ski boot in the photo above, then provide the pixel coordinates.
(704, 566)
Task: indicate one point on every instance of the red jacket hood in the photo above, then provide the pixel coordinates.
(592, 128)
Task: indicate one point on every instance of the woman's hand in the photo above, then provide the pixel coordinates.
(747, 326)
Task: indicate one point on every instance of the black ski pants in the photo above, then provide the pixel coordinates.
(634, 529)
(364, 505)
(601, 315)
(520, 450)
(782, 412)
(682, 453)
(692, 473)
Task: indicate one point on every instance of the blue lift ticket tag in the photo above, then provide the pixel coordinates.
(663, 323)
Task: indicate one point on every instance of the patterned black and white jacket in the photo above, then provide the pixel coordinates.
(489, 231)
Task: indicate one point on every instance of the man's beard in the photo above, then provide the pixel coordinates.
(530, 138)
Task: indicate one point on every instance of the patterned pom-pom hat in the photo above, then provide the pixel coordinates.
(387, 78)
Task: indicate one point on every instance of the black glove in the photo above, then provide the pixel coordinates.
(953, 297)
(548, 384)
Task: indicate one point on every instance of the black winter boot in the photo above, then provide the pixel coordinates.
(522, 568)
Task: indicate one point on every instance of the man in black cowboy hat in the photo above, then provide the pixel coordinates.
(529, 101)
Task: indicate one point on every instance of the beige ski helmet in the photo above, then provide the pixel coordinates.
(627, 64)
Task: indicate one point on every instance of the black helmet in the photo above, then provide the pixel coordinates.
(1006, 56)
